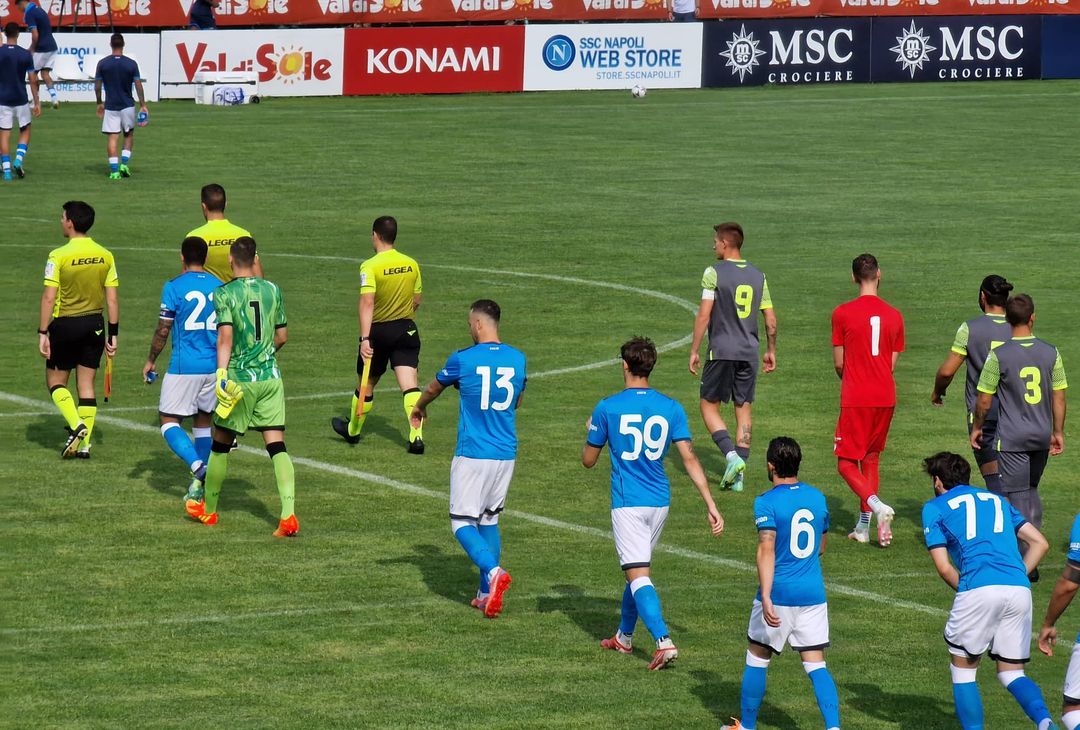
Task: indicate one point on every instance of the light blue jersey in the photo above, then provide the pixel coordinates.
(491, 378)
(1074, 549)
(798, 515)
(188, 300)
(639, 425)
(979, 530)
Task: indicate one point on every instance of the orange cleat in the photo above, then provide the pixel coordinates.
(197, 511)
(736, 726)
(665, 655)
(479, 602)
(615, 644)
(288, 527)
(498, 582)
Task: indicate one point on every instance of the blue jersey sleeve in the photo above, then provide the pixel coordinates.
(31, 19)
(170, 304)
(931, 519)
(97, 70)
(680, 428)
(135, 66)
(451, 372)
(1074, 541)
(764, 514)
(598, 427)
(824, 519)
(1016, 519)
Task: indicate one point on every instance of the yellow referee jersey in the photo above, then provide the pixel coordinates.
(219, 236)
(80, 270)
(393, 278)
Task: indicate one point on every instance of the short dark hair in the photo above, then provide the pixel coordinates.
(1018, 309)
(864, 267)
(116, 41)
(996, 290)
(785, 456)
(952, 469)
(11, 30)
(488, 308)
(243, 250)
(639, 354)
(731, 232)
(80, 215)
(194, 250)
(213, 197)
(385, 227)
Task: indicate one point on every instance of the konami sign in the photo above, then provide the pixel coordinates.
(433, 60)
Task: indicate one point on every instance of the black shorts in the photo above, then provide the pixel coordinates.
(729, 380)
(987, 451)
(76, 341)
(395, 343)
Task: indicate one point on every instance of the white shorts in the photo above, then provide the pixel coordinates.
(637, 530)
(1072, 677)
(804, 628)
(992, 618)
(119, 122)
(15, 116)
(478, 488)
(44, 60)
(184, 395)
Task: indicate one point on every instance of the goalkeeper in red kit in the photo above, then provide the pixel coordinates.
(867, 338)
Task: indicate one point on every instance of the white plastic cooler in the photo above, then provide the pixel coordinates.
(226, 88)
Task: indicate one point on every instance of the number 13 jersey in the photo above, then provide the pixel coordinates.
(491, 378)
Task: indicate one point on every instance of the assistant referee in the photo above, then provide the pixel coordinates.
(390, 294)
(80, 281)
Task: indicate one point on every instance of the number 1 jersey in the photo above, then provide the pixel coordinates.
(255, 309)
(798, 515)
(870, 331)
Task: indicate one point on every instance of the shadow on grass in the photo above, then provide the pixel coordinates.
(447, 574)
(720, 696)
(597, 617)
(51, 433)
(906, 710)
(374, 427)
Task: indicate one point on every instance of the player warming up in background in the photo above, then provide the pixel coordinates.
(80, 282)
(490, 376)
(732, 294)
(790, 608)
(16, 67)
(219, 234)
(42, 44)
(1028, 378)
(1064, 592)
(639, 424)
(251, 329)
(974, 341)
(992, 609)
(867, 338)
(188, 388)
(390, 294)
(117, 73)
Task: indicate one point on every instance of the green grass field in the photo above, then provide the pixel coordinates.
(588, 218)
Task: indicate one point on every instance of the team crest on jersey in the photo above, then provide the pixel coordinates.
(363, 279)
(50, 269)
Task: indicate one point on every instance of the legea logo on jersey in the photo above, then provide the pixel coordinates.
(289, 64)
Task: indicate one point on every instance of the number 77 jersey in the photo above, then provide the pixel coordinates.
(871, 332)
(491, 378)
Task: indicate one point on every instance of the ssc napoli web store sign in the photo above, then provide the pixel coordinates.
(967, 48)
(654, 55)
(815, 50)
(84, 48)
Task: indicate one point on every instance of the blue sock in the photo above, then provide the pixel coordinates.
(5, 161)
(52, 92)
(476, 548)
(1030, 698)
(125, 155)
(490, 533)
(629, 612)
(969, 708)
(753, 692)
(827, 699)
(20, 153)
(178, 440)
(648, 606)
(203, 441)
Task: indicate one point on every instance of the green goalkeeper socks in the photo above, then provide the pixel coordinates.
(215, 476)
(286, 481)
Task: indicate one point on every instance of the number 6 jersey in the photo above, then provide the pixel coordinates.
(188, 302)
(798, 515)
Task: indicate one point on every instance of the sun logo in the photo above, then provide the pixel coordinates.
(393, 7)
(912, 49)
(258, 7)
(119, 7)
(653, 3)
(289, 63)
(742, 53)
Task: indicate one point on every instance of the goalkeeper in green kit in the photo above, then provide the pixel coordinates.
(251, 328)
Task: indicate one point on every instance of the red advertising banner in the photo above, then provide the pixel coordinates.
(813, 8)
(434, 60)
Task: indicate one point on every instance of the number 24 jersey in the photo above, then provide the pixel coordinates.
(798, 515)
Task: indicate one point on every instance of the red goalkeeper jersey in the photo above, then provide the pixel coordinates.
(870, 331)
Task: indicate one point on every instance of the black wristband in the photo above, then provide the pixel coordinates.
(43, 332)
(363, 338)
(114, 329)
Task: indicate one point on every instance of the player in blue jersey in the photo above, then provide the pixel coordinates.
(117, 74)
(1064, 592)
(790, 608)
(639, 425)
(187, 390)
(16, 70)
(42, 44)
(992, 609)
(490, 376)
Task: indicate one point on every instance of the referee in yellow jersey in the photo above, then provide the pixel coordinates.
(80, 282)
(390, 294)
(219, 234)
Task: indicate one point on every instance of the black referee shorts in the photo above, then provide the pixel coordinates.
(395, 343)
(76, 341)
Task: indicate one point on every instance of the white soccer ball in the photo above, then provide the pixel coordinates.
(638, 91)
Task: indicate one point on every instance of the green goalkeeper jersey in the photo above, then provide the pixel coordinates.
(255, 309)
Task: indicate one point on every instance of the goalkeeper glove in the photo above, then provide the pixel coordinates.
(229, 394)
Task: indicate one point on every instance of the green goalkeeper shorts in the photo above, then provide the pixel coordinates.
(261, 409)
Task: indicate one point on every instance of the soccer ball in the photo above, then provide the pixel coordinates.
(638, 91)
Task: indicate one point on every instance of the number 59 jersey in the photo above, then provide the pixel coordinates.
(491, 378)
(638, 425)
(800, 518)
(188, 302)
